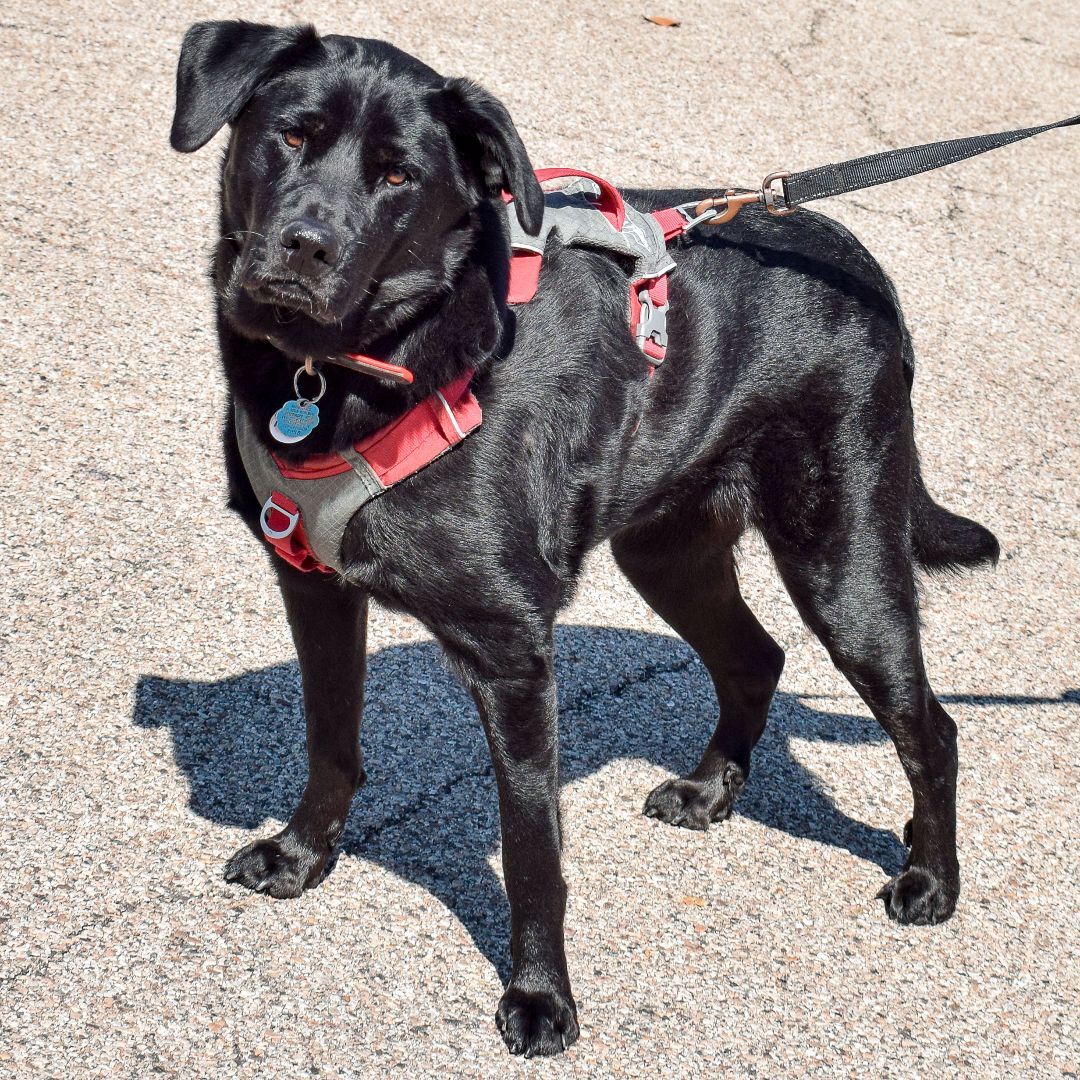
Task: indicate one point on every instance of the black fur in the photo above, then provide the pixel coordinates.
(783, 406)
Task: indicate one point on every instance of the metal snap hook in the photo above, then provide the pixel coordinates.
(769, 194)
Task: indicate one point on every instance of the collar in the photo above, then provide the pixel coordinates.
(368, 365)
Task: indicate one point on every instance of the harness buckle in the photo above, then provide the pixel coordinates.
(292, 517)
(652, 322)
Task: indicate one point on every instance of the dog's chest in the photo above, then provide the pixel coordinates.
(443, 543)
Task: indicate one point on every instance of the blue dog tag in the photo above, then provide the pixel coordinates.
(294, 421)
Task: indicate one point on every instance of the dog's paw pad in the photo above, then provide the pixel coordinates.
(277, 868)
(536, 1023)
(692, 804)
(918, 897)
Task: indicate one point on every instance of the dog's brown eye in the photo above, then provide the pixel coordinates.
(397, 177)
(293, 138)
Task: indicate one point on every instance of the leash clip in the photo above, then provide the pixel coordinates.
(717, 210)
(769, 194)
(722, 208)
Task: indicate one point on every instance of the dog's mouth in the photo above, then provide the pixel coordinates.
(290, 297)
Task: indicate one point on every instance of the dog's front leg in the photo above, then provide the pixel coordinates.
(537, 1014)
(329, 624)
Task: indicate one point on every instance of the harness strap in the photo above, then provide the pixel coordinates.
(307, 506)
(525, 269)
(672, 221)
(584, 210)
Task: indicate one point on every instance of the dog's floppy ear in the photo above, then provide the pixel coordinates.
(221, 65)
(475, 117)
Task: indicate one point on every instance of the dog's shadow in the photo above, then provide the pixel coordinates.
(428, 812)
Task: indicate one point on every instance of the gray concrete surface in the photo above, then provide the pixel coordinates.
(150, 714)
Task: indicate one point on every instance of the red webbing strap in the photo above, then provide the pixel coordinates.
(524, 276)
(671, 221)
(311, 468)
(425, 432)
(282, 515)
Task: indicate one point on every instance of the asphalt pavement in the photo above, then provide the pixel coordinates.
(150, 717)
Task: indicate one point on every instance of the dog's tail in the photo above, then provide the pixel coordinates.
(942, 540)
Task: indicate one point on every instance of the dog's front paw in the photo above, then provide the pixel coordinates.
(695, 804)
(282, 866)
(537, 1022)
(918, 897)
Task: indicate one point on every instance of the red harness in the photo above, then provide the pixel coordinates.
(416, 438)
(525, 266)
(391, 454)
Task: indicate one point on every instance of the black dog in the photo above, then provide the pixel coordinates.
(361, 209)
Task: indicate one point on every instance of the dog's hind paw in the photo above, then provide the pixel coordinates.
(536, 1023)
(917, 897)
(281, 866)
(696, 804)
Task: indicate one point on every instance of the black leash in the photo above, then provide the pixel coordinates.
(864, 172)
(782, 192)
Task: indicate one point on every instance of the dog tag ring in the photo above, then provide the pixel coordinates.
(296, 420)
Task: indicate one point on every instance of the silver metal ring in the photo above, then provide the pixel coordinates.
(296, 384)
(292, 517)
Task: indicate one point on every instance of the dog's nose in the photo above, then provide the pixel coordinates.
(311, 247)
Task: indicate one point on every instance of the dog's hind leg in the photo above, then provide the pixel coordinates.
(329, 628)
(849, 570)
(684, 568)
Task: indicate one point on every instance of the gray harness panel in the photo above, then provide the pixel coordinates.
(570, 213)
(329, 502)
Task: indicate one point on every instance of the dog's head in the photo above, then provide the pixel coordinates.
(350, 182)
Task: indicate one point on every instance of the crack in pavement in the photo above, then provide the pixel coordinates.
(41, 965)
